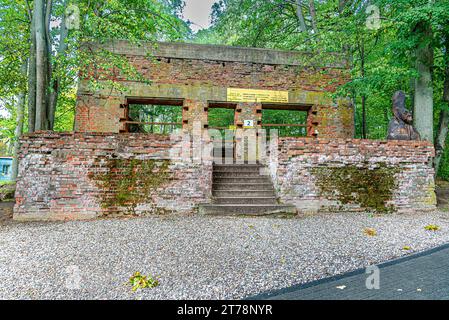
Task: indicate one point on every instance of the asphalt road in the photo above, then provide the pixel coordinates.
(421, 276)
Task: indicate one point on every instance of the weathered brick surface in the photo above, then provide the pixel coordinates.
(85, 175)
(82, 175)
(175, 72)
(410, 162)
(237, 74)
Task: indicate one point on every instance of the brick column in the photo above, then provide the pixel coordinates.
(99, 114)
(194, 110)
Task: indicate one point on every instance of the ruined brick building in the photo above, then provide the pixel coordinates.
(112, 164)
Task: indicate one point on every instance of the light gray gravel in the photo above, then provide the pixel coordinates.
(200, 257)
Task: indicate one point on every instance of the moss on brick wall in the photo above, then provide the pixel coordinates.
(371, 188)
(130, 182)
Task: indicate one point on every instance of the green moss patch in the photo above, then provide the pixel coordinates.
(130, 182)
(371, 188)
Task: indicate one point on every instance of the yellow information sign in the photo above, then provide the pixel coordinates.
(255, 95)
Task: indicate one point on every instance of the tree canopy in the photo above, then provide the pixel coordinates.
(391, 45)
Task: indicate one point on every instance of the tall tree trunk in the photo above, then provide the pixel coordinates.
(300, 15)
(41, 66)
(423, 104)
(440, 140)
(362, 69)
(313, 15)
(443, 124)
(341, 5)
(364, 133)
(56, 81)
(152, 119)
(48, 52)
(412, 95)
(32, 79)
(354, 112)
(19, 126)
(386, 120)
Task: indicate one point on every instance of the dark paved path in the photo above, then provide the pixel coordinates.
(419, 276)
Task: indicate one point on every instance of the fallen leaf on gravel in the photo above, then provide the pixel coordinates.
(406, 248)
(370, 232)
(432, 227)
(139, 281)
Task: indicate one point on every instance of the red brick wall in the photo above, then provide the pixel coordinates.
(238, 74)
(201, 80)
(297, 173)
(86, 175)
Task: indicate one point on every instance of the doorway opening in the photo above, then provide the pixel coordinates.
(221, 119)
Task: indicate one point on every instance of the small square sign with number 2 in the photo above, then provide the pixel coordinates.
(248, 123)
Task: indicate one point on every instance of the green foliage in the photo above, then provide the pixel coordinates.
(381, 60)
(7, 190)
(155, 113)
(220, 117)
(444, 168)
(100, 21)
(285, 117)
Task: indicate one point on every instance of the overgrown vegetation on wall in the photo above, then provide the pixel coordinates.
(371, 188)
(130, 182)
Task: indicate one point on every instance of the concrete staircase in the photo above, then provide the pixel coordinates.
(243, 189)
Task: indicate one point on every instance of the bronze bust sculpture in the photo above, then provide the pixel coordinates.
(401, 126)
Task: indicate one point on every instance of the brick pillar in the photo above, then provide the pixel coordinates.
(334, 120)
(194, 110)
(99, 114)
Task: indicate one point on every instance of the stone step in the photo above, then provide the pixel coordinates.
(235, 174)
(228, 150)
(259, 179)
(244, 193)
(242, 186)
(247, 209)
(219, 162)
(237, 167)
(245, 200)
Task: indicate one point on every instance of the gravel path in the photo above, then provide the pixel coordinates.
(199, 257)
